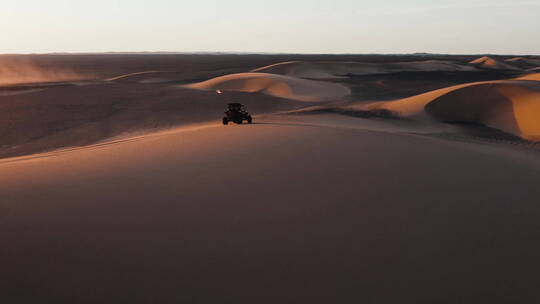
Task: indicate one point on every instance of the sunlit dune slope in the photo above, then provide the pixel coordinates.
(490, 63)
(276, 85)
(327, 70)
(535, 76)
(512, 106)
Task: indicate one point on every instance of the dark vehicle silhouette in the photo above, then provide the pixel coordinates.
(237, 113)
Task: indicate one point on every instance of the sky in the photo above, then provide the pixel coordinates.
(278, 26)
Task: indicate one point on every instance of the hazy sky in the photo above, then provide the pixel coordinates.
(302, 26)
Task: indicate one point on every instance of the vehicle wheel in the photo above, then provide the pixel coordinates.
(250, 120)
(225, 121)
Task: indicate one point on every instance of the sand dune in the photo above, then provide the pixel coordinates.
(276, 85)
(130, 76)
(490, 63)
(281, 209)
(524, 63)
(535, 76)
(328, 70)
(154, 77)
(512, 106)
(40, 120)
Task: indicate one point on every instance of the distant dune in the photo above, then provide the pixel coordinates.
(135, 75)
(490, 63)
(276, 85)
(524, 63)
(328, 70)
(512, 106)
(154, 77)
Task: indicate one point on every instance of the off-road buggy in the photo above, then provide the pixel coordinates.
(237, 113)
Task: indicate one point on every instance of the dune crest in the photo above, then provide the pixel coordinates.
(130, 75)
(328, 70)
(276, 85)
(512, 106)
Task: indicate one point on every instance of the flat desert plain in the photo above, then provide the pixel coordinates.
(363, 179)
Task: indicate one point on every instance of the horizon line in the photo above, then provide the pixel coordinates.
(261, 53)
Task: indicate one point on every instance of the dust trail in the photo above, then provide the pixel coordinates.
(23, 70)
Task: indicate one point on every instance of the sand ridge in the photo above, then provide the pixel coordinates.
(329, 69)
(276, 85)
(131, 75)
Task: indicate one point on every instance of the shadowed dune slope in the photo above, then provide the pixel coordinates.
(276, 85)
(512, 106)
(327, 70)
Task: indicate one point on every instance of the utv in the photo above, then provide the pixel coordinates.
(237, 113)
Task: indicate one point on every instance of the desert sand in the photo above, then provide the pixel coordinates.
(417, 185)
(316, 210)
